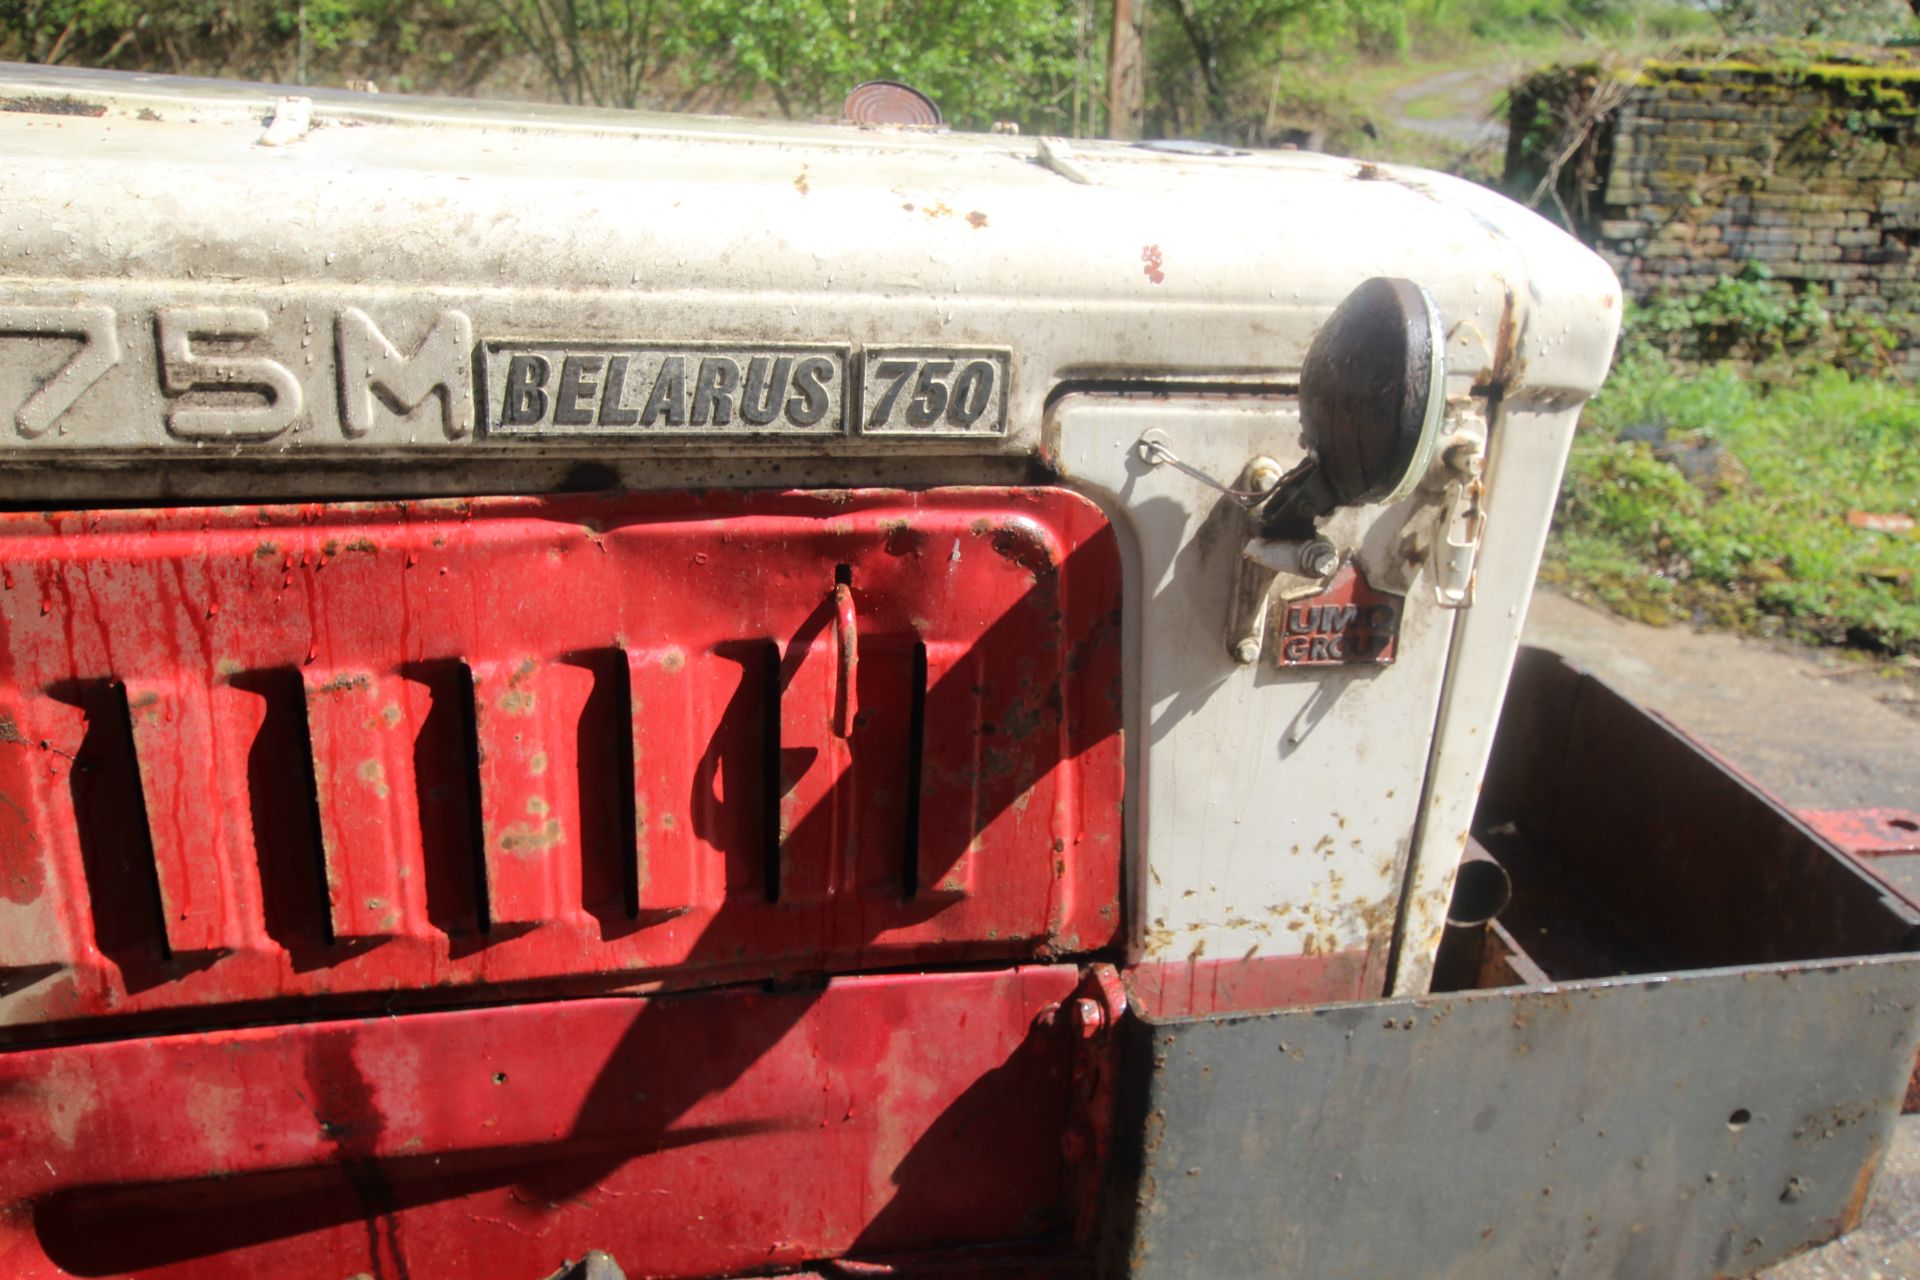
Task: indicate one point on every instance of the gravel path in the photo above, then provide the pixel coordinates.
(1468, 95)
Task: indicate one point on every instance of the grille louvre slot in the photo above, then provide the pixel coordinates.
(284, 812)
(116, 844)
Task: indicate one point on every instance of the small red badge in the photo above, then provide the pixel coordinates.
(1347, 624)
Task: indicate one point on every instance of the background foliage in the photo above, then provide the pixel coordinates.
(1235, 70)
(1721, 492)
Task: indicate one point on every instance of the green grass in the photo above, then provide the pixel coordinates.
(1760, 534)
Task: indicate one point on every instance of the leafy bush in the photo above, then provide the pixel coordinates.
(1753, 317)
(1761, 531)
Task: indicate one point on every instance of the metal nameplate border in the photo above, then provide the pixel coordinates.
(573, 400)
(887, 403)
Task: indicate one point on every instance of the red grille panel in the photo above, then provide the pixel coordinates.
(260, 753)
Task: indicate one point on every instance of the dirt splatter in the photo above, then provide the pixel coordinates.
(53, 105)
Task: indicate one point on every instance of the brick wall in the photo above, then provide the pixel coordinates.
(1696, 169)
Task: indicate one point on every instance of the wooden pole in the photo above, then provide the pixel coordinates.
(1126, 73)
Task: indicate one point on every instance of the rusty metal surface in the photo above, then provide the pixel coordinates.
(1678, 854)
(1701, 1125)
(874, 1118)
(890, 102)
(253, 754)
(1199, 988)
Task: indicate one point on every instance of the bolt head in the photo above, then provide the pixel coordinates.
(1247, 652)
(1088, 1015)
(1263, 473)
(1319, 559)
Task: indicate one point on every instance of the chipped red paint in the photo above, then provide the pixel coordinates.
(549, 745)
(1150, 264)
(700, 1134)
(1867, 833)
(1204, 988)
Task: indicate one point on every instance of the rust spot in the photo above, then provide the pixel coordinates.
(908, 206)
(1019, 720)
(524, 840)
(9, 731)
(641, 843)
(373, 776)
(1857, 1199)
(346, 682)
(1505, 343)
(938, 210)
(672, 660)
(363, 545)
(1021, 544)
(1829, 1121)
(517, 702)
(903, 539)
(1369, 173)
(800, 182)
(1151, 262)
(976, 219)
(265, 551)
(995, 763)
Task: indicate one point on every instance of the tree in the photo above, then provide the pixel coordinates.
(1232, 46)
(981, 60)
(602, 52)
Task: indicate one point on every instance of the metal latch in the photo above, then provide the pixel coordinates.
(1456, 543)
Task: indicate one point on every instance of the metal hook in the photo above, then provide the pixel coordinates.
(1155, 451)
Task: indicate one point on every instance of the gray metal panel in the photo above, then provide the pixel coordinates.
(1707, 1124)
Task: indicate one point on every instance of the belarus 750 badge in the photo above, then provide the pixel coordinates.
(1347, 624)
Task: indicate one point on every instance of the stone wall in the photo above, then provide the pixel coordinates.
(1680, 173)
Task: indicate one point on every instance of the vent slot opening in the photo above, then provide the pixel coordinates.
(476, 850)
(446, 784)
(285, 811)
(609, 819)
(916, 753)
(116, 844)
(772, 784)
